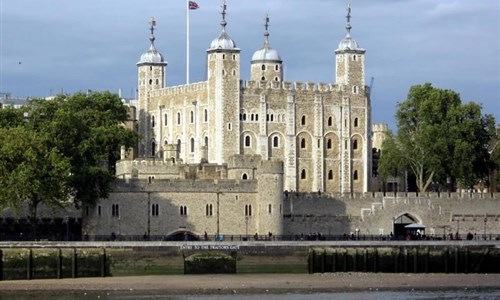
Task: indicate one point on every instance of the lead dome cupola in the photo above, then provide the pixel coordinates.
(223, 41)
(152, 56)
(348, 43)
(266, 53)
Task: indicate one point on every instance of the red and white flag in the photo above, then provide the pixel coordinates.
(193, 5)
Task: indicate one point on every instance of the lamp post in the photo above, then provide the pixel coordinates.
(161, 107)
(485, 220)
(246, 228)
(218, 215)
(357, 233)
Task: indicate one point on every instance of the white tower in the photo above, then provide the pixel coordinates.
(151, 76)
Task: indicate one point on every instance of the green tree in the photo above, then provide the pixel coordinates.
(63, 149)
(88, 130)
(439, 138)
(31, 172)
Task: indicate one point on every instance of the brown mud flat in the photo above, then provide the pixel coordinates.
(257, 283)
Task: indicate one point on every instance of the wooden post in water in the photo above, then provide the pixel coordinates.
(466, 260)
(311, 261)
(73, 264)
(103, 263)
(1, 265)
(415, 261)
(365, 259)
(396, 259)
(375, 260)
(59, 263)
(334, 260)
(29, 265)
(456, 260)
(426, 260)
(446, 253)
(355, 260)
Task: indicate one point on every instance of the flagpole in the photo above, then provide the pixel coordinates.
(187, 42)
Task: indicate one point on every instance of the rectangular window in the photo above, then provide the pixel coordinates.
(99, 210)
(270, 208)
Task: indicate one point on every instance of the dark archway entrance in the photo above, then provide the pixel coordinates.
(182, 235)
(400, 223)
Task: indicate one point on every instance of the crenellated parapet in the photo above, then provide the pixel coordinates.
(255, 86)
(181, 89)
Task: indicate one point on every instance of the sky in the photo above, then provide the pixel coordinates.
(53, 46)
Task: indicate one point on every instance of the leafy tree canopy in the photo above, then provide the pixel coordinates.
(438, 138)
(82, 131)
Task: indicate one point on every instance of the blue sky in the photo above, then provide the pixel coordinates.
(54, 45)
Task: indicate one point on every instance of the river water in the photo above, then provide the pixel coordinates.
(482, 294)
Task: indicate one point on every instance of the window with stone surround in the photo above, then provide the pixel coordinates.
(263, 67)
(329, 144)
(166, 119)
(192, 145)
(248, 210)
(153, 121)
(206, 115)
(244, 176)
(356, 123)
(355, 175)
(153, 148)
(248, 141)
(209, 210)
(276, 142)
(115, 210)
(183, 210)
(155, 210)
(330, 175)
(303, 174)
(303, 143)
(178, 118)
(355, 144)
(191, 116)
(270, 209)
(303, 120)
(330, 121)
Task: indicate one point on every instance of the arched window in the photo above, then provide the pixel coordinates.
(355, 144)
(206, 115)
(303, 174)
(248, 141)
(303, 120)
(166, 119)
(276, 142)
(179, 145)
(192, 145)
(330, 121)
(191, 116)
(153, 121)
(244, 176)
(178, 118)
(329, 144)
(330, 175)
(355, 175)
(303, 143)
(206, 141)
(263, 67)
(277, 68)
(263, 78)
(249, 210)
(276, 79)
(150, 81)
(256, 117)
(153, 148)
(355, 89)
(355, 122)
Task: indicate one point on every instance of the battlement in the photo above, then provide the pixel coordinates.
(380, 127)
(181, 89)
(185, 186)
(244, 161)
(271, 167)
(289, 86)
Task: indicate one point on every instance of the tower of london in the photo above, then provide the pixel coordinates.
(320, 131)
